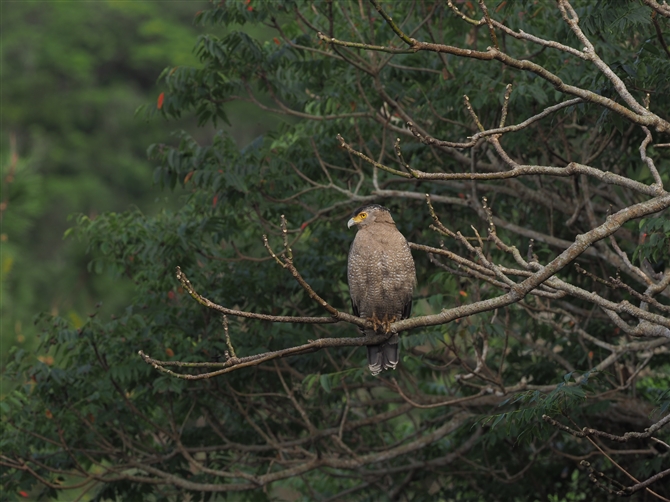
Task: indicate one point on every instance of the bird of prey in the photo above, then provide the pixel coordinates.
(382, 278)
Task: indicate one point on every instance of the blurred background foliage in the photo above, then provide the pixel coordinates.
(73, 75)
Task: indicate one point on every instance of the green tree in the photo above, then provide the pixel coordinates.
(73, 77)
(536, 357)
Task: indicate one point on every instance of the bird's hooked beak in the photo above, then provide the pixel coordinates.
(351, 223)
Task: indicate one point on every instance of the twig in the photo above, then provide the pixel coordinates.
(231, 353)
(186, 284)
(449, 402)
(492, 33)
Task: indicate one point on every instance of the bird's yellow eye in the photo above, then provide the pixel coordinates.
(358, 218)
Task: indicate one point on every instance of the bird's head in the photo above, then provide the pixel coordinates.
(372, 213)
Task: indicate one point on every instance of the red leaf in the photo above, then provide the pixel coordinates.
(214, 200)
(161, 97)
(276, 41)
(250, 8)
(169, 352)
(48, 360)
(304, 225)
(23, 494)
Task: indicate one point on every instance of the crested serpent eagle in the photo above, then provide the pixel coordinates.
(381, 279)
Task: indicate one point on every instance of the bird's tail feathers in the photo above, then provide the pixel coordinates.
(383, 357)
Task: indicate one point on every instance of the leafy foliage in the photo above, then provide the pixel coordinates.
(73, 76)
(463, 418)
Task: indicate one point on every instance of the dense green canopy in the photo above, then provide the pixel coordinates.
(72, 78)
(536, 313)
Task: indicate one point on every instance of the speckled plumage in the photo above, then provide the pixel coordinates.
(382, 278)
